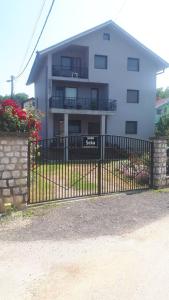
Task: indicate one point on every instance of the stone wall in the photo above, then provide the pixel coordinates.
(13, 170)
(160, 179)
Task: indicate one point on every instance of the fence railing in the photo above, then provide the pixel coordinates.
(76, 72)
(82, 103)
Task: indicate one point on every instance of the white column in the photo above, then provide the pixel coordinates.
(66, 119)
(103, 132)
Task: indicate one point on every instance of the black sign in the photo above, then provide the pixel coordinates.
(90, 142)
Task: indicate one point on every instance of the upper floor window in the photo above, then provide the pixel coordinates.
(131, 127)
(106, 36)
(132, 96)
(133, 64)
(66, 62)
(100, 62)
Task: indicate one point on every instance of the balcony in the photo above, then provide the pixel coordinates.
(83, 104)
(74, 72)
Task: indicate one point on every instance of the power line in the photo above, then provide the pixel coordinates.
(32, 35)
(120, 9)
(37, 40)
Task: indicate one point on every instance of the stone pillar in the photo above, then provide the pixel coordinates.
(13, 170)
(102, 132)
(66, 120)
(159, 162)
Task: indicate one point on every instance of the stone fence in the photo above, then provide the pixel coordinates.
(13, 170)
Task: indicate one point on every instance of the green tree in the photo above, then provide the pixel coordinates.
(20, 97)
(162, 93)
(162, 127)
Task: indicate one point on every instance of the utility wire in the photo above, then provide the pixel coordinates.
(32, 35)
(19, 75)
(120, 9)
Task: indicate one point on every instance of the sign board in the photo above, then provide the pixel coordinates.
(90, 142)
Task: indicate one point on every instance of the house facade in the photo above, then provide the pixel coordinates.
(162, 108)
(102, 81)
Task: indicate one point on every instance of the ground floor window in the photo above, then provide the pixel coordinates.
(74, 127)
(131, 127)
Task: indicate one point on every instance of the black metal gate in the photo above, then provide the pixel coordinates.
(78, 166)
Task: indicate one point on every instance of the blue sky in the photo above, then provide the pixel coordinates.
(146, 20)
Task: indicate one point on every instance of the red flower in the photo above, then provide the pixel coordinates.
(9, 102)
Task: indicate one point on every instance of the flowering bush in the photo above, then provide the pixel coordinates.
(15, 119)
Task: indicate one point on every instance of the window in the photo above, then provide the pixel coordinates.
(131, 127)
(93, 128)
(74, 127)
(71, 93)
(66, 62)
(106, 36)
(132, 96)
(133, 64)
(100, 62)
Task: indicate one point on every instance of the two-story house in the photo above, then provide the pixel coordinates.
(102, 81)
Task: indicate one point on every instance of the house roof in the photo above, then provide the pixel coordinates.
(41, 54)
(160, 102)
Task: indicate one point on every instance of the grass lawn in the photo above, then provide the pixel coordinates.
(53, 181)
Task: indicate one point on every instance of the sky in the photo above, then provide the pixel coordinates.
(146, 20)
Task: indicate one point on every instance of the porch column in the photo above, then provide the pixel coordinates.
(66, 152)
(102, 132)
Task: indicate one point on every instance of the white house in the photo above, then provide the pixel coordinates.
(102, 81)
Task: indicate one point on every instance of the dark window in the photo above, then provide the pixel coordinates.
(93, 128)
(74, 127)
(132, 96)
(100, 62)
(131, 127)
(106, 36)
(66, 62)
(133, 64)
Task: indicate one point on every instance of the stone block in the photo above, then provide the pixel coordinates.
(16, 174)
(3, 183)
(3, 142)
(13, 160)
(4, 160)
(8, 200)
(24, 154)
(2, 167)
(17, 154)
(7, 148)
(10, 167)
(24, 173)
(6, 175)
(9, 154)
(23, 190)
(16, 190)
(11, 182)
(6, 192)
(21, 181)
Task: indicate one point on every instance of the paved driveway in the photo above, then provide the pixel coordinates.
(114, 247)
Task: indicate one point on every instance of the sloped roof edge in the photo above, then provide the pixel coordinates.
(41, 53)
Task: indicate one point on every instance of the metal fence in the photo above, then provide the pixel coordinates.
(77, 166)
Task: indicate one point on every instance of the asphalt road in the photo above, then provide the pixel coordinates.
(114, 247)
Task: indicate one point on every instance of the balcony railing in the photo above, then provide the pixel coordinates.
(83, 103)
(75, 72)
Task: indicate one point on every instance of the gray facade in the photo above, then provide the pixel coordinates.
(84, 84)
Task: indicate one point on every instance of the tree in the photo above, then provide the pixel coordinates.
(162, 127)
(162, 93)
(20, 97)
